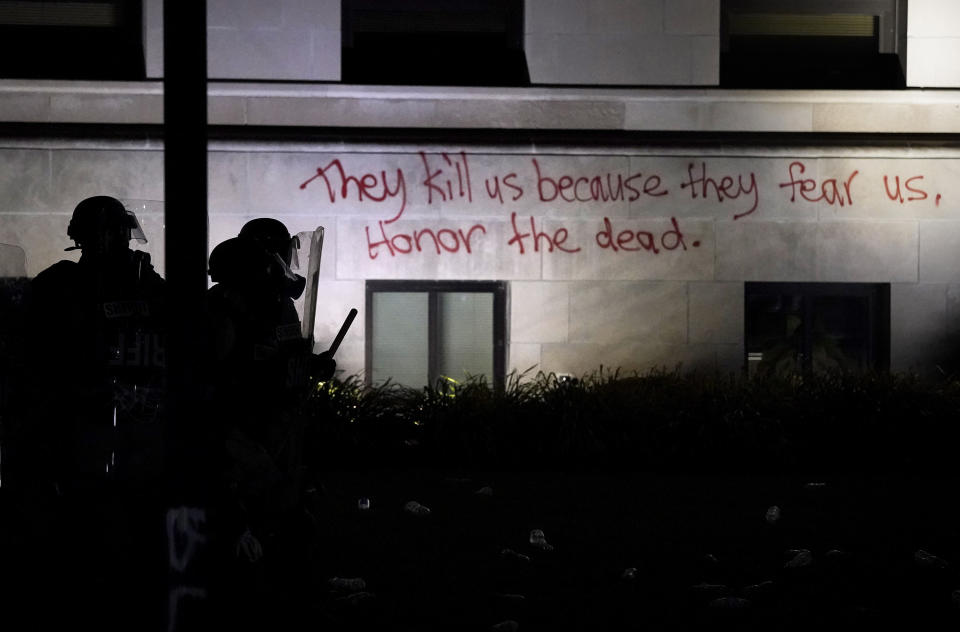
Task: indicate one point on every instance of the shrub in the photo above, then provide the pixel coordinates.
(661, 420)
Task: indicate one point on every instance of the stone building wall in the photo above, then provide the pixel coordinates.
(618, 256)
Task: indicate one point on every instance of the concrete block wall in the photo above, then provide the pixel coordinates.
(933, 44)
(42, 182)
(288, 40)
(690, 226)
(641, 42)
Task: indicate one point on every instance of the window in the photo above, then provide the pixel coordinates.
(419, 332)
(817, 44)
(433, 43)
(804, 327)
(77, 39)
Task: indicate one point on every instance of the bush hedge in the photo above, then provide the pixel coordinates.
(660, 421)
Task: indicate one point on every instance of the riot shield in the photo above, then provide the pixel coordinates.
(308, 261)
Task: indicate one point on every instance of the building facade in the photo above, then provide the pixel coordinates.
(611, 202)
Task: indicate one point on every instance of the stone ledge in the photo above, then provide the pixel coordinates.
(563, 108)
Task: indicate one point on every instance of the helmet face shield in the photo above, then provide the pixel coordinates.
(291, 282)
(292, 258)
(136, 230)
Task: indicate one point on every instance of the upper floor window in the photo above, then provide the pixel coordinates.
(433, 42)
(816, 44)
(79, 39)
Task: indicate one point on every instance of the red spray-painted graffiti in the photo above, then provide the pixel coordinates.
(645, 239)
(606, 187)
(442, 187)
(448, 178)
(724, 190)
(911, 185)
(827, 191)
(557, 240)
(442, 240)
(366, 185)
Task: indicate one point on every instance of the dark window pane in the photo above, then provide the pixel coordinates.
(841, 333)
(795, 327)
(846, 44)
(72, 40)
(433, 42)
(774, 332)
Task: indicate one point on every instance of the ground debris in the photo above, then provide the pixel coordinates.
(704, 589)
(730, 603)
(538, 540)
(800, 558)
(511, 554)
(761, 589)
(416, 509)
(347, 584)
(928, 560)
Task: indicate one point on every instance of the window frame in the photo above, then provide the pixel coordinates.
(877, 295)
(891, 41)
(433, 289)
(886, 12)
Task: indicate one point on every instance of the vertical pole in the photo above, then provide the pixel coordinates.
(185, 216)
(500, 336)
(434, 324)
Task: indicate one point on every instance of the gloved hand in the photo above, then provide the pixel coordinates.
(249, 547)
(322, 366)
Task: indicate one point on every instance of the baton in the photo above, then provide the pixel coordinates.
(343, 331)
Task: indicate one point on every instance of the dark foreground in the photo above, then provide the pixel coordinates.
(693, 541)
(847, 552)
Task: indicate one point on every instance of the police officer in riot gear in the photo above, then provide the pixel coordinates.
(282, 249)
(262, 369)
(103, 318)
(97, 384)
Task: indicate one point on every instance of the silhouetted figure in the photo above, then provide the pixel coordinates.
(282, 249)
(97, 341)
(261, 373)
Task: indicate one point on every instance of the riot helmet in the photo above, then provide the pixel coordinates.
(275, 239)
(101, 224)
(239, 262)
